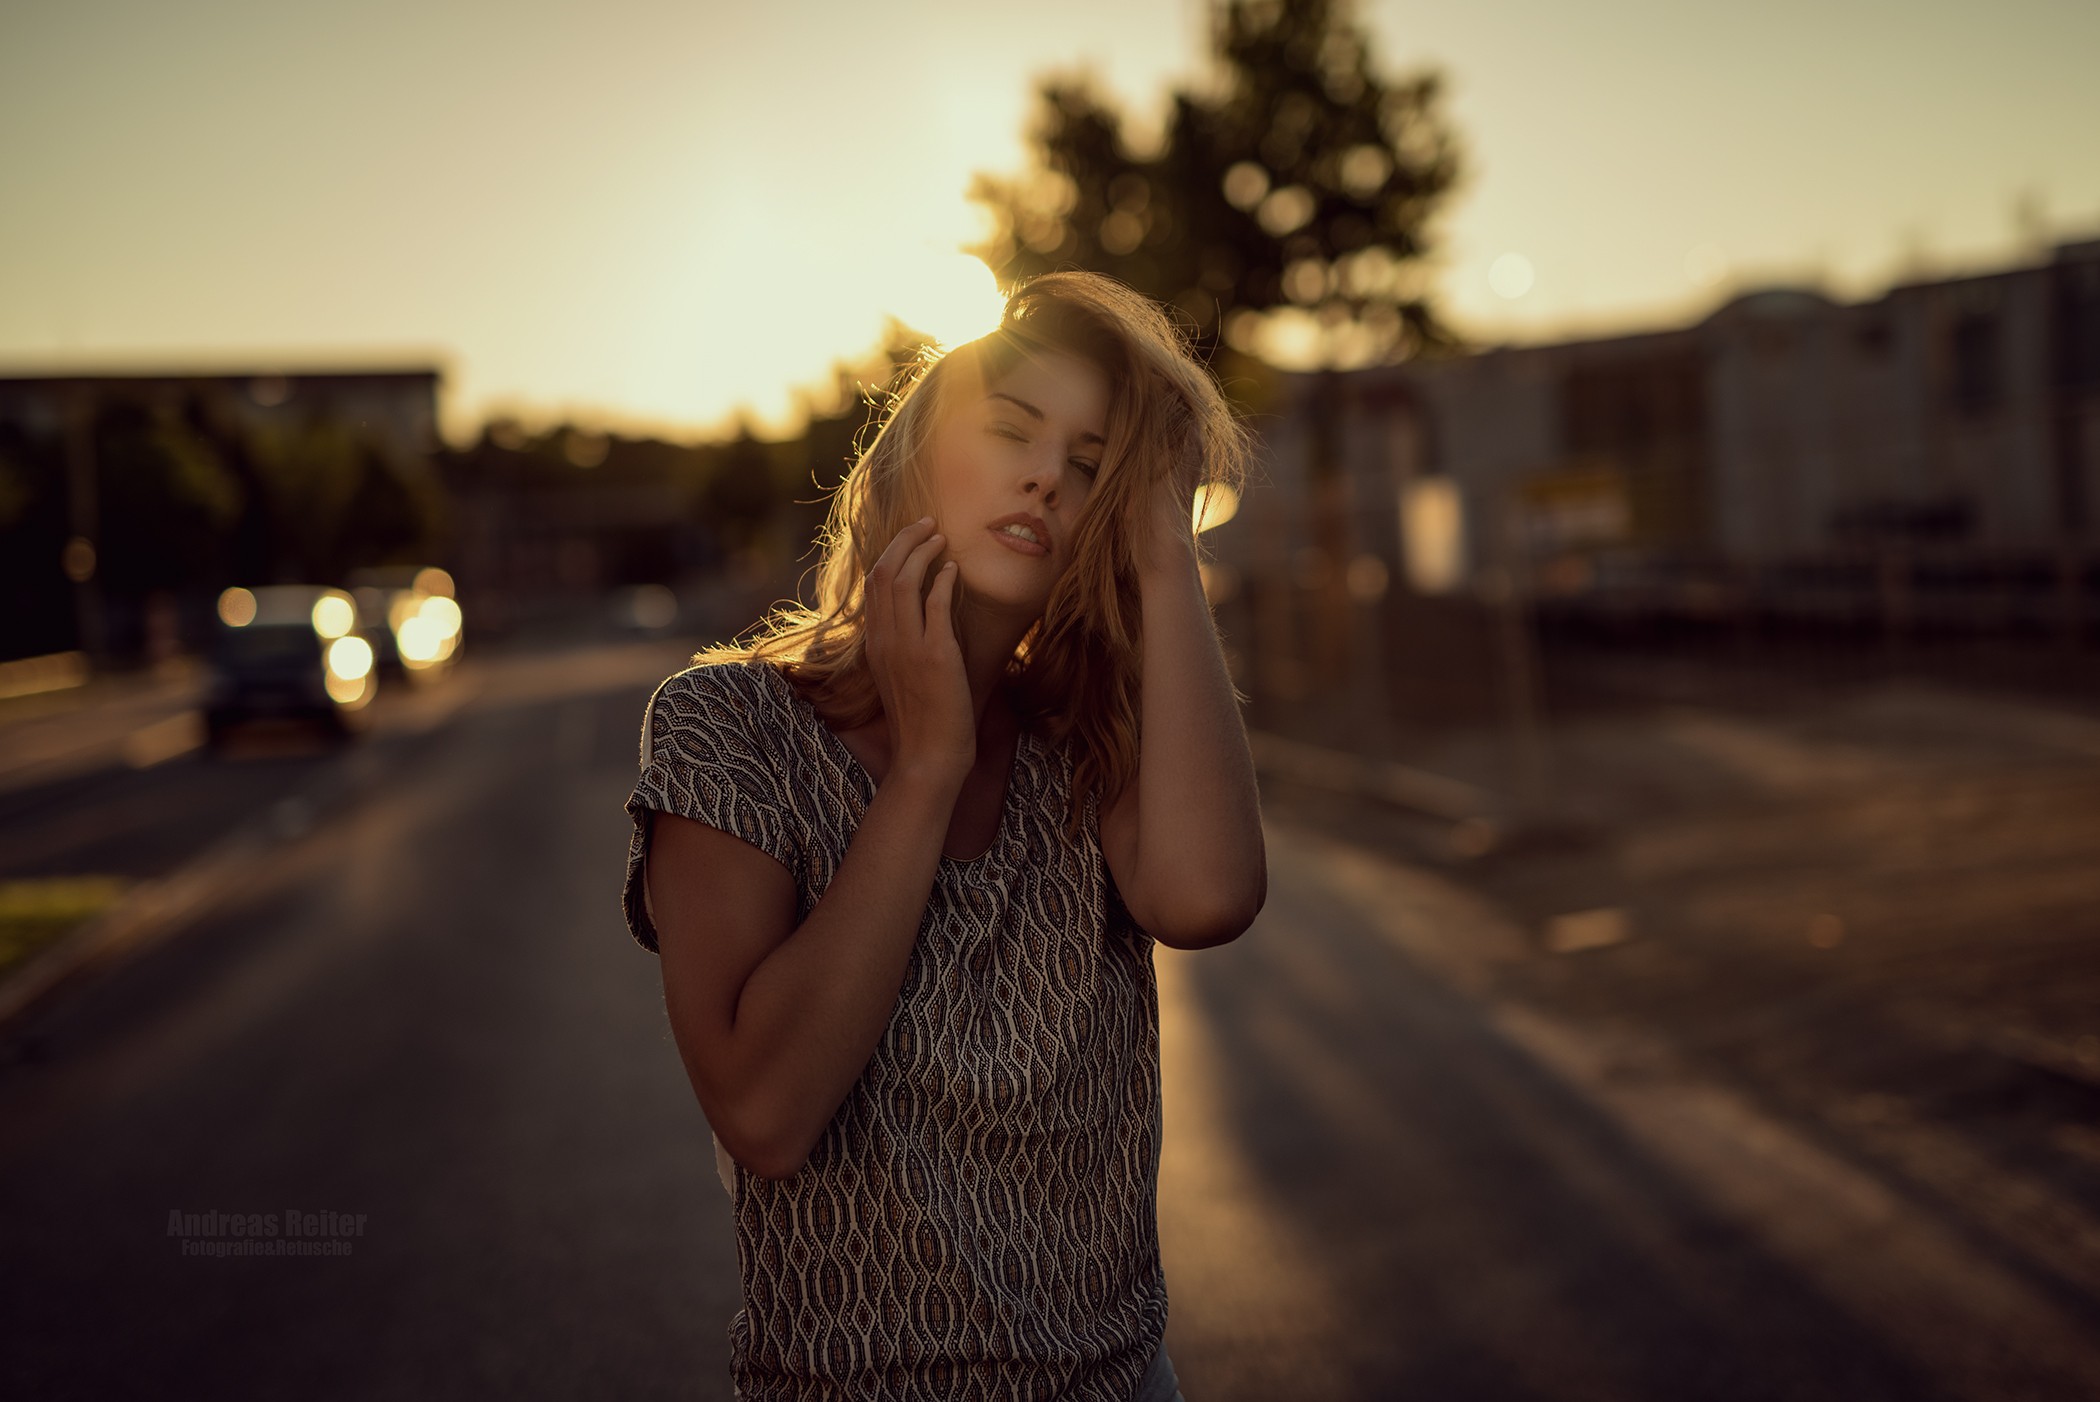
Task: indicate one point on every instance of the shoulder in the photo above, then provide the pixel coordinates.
(714, 750)
(716, 703)
(713, 687)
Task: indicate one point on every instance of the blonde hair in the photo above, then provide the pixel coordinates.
(1076, 672)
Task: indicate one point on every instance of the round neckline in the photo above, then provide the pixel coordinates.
(845, 754)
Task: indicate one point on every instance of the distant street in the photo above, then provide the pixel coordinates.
(1383, 1176)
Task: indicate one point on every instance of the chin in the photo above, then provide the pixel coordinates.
(999, 590)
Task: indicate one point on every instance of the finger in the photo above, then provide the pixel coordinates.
(875, 589)
(875, 606)
(940, 601)
(901, 544)
(907, 616)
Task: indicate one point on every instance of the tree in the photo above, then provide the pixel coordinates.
(1286, 212)
(744, 490)
(331, 499)
(168, 501)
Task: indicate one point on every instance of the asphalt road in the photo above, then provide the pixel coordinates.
(423, 1011)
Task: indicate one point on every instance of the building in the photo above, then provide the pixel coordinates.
(1935, 451)
(90, 560)
(545, 528)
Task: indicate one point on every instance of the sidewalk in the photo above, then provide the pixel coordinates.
(136, 718)
(1872, 912)
(1982, 1268)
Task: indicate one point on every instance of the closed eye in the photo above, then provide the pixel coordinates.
(1008, 431)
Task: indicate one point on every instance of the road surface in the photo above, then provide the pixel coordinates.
(424, 1015)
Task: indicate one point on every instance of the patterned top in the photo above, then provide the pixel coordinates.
(978, 1220)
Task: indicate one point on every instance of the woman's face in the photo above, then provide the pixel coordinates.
(1025, 445)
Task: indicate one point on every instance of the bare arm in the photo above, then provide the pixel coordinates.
(776, 1022)
(1184, 839)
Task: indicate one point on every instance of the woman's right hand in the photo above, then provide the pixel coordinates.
(917, 661)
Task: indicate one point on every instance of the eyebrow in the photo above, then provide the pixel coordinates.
(1039, 416)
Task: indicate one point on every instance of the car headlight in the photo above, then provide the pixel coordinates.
(334, 615)
(350, 658)
(443, 614)
(418, 641)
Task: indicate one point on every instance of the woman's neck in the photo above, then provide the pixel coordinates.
(988, 644)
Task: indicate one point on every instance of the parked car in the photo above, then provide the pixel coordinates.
(410, 616)
(289, 652)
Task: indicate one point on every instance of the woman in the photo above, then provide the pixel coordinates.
(905, 854)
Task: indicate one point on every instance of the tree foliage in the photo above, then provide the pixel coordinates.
(1287, 208)
(168, 500)
(334, 499)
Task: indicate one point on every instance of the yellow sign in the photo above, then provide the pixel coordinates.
(1569, 508)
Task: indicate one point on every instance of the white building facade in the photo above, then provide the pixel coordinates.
(1951, 425)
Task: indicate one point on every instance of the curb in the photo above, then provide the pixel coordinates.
(152, 909)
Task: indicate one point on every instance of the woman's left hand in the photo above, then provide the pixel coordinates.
(1170, 532)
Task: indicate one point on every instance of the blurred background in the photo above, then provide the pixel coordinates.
(1667, 605)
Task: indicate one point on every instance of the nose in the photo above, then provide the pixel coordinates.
(1044, 478)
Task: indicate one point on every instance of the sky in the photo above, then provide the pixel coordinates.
(652, 216)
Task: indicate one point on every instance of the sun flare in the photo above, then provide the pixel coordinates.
(947, 295)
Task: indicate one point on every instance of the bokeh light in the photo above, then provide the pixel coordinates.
(334, 615)
(349, 658)
(433, 580)
(1215, 504)
(418, 641)
(442, 614)
(1511, 276)
(1432, 526)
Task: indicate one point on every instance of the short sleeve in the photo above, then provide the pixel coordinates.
(711, 749)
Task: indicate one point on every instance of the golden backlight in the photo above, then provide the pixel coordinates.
(951, 297)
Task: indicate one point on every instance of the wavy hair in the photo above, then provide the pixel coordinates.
(1075, 673)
